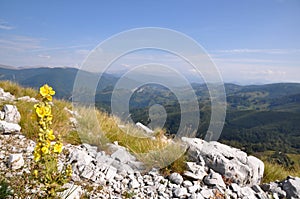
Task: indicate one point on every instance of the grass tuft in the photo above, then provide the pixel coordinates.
(16, 90)
(275, 172)
(5, 190)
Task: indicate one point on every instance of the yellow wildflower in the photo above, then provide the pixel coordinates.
(58, 148)
(47, 91)
(69, 170)
(43, 111)
(45, 150)
(37, 156)
(35, 173)
(50, 135)
(49, 118)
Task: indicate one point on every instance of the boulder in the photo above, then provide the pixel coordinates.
(259, 192)
(292, 187)
(180, 192)
(187, 183)
(7, 128)
(87, 172)
(176, 178)
(214, 179)
(72, 191)
(257, 167)
(193, 189)
(134, 184)
(11, 114)
(16, 161)
(207, 193)
(196, 196)
(111, 172)
(194, 171)
(247, 193)
(6, 96)
(230, 162)
(79, 160)
(274, 188)
(123, 155)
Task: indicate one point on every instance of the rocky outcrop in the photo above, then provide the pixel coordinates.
(93, 168)
(214, 170)
(288, 188)
(233, 164)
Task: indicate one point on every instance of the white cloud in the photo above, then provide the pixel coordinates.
(252, 51)
(5, 26)
(45, 56)
(18, 50)
(83, 52)
(60, 48)
(126, 65)
(19, 43)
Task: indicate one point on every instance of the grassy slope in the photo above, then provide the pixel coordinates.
(108, 131)
(96, 127)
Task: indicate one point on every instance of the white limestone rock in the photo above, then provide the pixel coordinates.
(12, 114)
(28, 99)
(6, 96)
(143, 127)
(292, 187)
(110, 172)
(134, 184)
(72, 191)
(230, 162)
(180, 192)
(214, 179)
(176, 178)
(16, 161)
(7, 128)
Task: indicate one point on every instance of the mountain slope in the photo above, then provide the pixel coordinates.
(61, 79)
(259, 117)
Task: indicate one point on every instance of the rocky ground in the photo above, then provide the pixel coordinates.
(214, 170)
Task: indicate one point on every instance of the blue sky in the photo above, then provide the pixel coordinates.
(251, 41)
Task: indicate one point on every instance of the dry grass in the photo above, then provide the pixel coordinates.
(16, 90)
(275, 172)
(61, 123)
(99, 128)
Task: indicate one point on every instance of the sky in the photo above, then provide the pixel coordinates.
(250, 41)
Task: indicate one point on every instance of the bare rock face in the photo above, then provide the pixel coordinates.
(230, 162)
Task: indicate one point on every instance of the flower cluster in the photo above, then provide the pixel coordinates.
(48, 147)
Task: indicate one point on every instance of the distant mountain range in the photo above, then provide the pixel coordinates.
(61, 79)
(259, 117)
